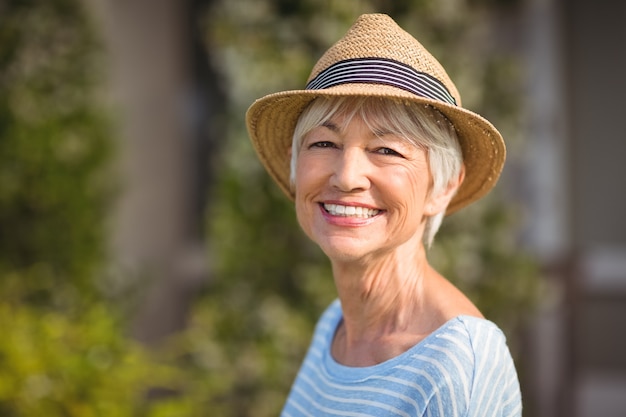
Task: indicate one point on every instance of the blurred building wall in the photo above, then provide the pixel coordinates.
(545, 196)
(596, 64)
(576, 59)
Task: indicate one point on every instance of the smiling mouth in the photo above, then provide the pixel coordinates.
(350, 211)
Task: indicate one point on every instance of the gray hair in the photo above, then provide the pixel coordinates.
(421, 125)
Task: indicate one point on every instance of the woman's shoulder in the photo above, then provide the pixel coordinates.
(487, 347)
(469, 356)
(476, 343)
(476, 333)
(468, 340)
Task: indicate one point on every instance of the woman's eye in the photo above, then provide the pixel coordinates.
(388, 151)
(322, 144)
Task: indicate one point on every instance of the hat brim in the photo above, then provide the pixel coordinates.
(271, 121)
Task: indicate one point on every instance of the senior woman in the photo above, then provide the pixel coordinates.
(375, 151)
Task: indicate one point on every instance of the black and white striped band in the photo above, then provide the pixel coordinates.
(381, 71)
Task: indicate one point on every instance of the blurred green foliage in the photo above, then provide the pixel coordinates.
(54, 146)
(52, 364)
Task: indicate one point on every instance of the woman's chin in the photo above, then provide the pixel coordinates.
(345, 250)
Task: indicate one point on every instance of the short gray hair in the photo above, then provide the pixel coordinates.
(420, 124)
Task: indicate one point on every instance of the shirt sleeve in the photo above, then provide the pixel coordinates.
(495, 387)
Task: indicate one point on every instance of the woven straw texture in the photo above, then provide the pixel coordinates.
(271, 120)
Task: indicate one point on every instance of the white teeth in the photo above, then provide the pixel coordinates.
(350, 211)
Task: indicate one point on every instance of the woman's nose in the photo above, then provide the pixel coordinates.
(350, 171)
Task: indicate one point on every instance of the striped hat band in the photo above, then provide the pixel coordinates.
(381, 71)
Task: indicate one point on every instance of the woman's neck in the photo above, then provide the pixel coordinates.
(390, 304)
(382, 296)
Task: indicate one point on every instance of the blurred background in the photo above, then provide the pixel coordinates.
(149, 267)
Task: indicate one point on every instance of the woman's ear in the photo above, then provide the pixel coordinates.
(437, 203)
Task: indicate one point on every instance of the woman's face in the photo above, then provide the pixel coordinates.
(361, 193)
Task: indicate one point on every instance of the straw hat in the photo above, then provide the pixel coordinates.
(378, 58)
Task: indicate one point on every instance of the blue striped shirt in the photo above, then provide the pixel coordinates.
(464, 368)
